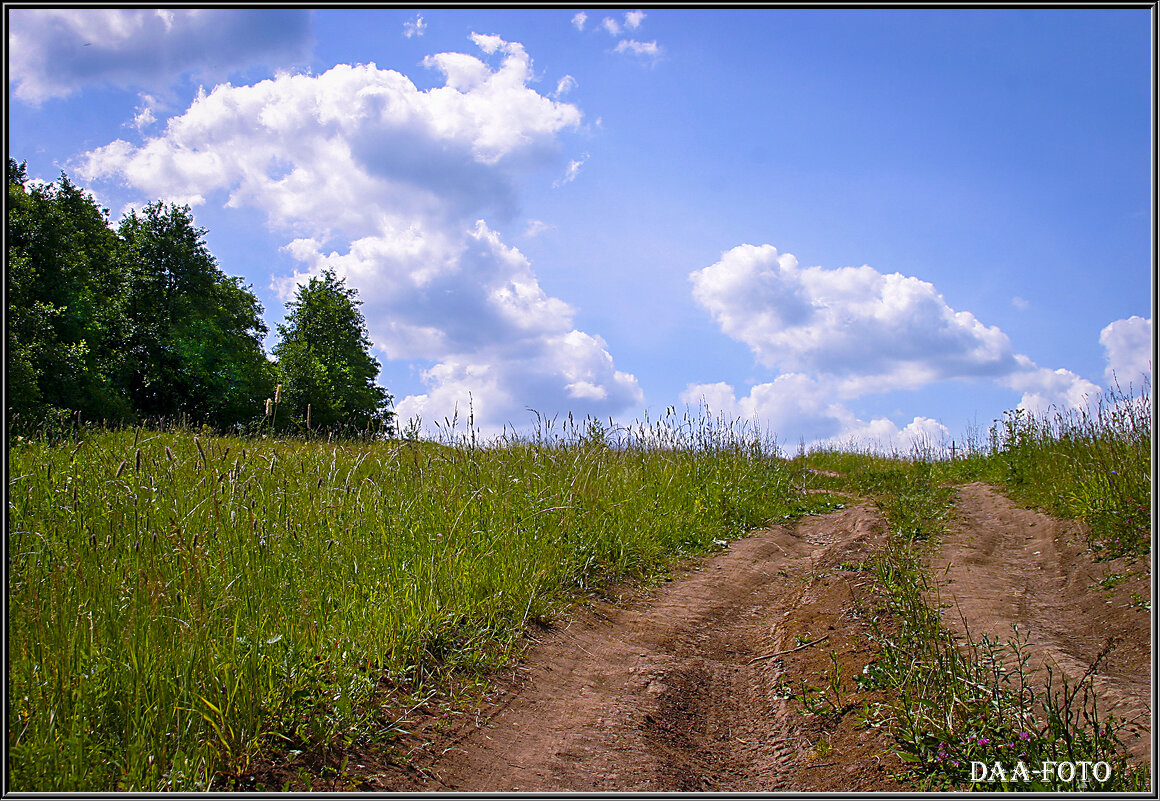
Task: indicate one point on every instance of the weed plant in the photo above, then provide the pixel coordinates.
(953, 704)
(958, 703)
(1087, 464)
(181, 603)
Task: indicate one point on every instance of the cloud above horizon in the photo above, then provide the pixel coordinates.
(854, 323)
(838, 334)
(55, 52)
(1128, 351)
(397, 190)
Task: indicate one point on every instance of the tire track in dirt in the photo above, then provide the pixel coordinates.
(663, 693)
(1001, 565)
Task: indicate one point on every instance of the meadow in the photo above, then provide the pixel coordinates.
(951, 704)
(181, 603)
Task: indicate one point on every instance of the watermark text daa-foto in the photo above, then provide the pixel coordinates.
(1021, 772)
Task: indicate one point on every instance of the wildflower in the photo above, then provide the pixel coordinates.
(1024, 736)
(984, 741)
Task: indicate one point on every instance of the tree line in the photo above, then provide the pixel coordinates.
(138, 322)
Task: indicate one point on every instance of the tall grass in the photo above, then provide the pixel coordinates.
(952, 704)
(1088, 464)
(180, 601)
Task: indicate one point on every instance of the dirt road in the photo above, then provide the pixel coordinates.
(685, 687)
(663, 693)
(1001, 565)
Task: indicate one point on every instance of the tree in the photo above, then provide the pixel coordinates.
(65, 302)
(193, 335)
(324, 360)
(136, 322)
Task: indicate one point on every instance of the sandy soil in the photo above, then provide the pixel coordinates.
(669, 691)
(685, 686)
(1001, 565)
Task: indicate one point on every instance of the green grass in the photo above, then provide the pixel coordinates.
(183, 603)
(951, 705)
(1090, 465)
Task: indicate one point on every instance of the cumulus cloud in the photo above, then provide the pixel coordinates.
(837, 334)
(146, 112)
(807, 407)
(1127, 350)
(391, 187)
(303, 148)
(1045, 390)
(649, 51)
(862, 326)
(55, 52)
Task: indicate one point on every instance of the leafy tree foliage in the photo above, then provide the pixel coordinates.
(65, 301)
(193, 340)
(136, 322)
(324, 359)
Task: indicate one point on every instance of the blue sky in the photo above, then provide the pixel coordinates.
(851, 225)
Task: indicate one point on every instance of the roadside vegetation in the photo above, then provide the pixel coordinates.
(139, 322)
(951, 705)
(281, 573)
(1090, 465)
(183, 602)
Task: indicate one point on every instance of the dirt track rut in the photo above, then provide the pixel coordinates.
(665, 691)
(1001, 565)
(663, 694)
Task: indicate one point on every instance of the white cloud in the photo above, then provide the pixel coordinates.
(303, 148)
(805, 408)
(633, 19)
(565, 85)
(507, 385)
(644, 49)
(55, 52)
(1045, 390)
(854, 322)
(1127, 350)
(390, 186)
(537, 227)
(836, 334)
(579, 19)
(1019, 303)
(146, 114)
(414, 27)
(611, 25)
(572, 171)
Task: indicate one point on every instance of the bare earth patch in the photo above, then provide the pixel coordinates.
(675, 688)
(1002, 565)
(687, 686)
